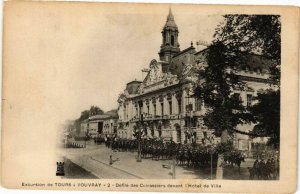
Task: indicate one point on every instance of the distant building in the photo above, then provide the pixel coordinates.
(163, 99)
(105, 124)
(110, 126)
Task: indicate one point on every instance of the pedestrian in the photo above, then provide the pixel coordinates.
(110, 160)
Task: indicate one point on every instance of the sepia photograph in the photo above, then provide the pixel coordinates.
(209, 110)
(149, 97)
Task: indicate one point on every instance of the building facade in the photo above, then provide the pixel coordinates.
(100, 125)
(162, 106)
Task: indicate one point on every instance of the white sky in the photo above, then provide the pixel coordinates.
(127, 45)
(76, 55)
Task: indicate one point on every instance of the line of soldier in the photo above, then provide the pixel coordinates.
(74, 145)
(265, 169)
(184, 154)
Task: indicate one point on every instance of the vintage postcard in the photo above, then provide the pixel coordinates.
(149, 97)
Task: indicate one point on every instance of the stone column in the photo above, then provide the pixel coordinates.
(193, 102)
(138, 111)
(144, 107)
(174, 104)
(166, 106)
(129, 111)
(184, 101)
(158, 107)
(133, 110)
(151, 107)
(124, 112)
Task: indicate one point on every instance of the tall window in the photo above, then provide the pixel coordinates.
(154, 109)
(198, 103)
(249, 100)
(162, 108)
(179, 105)
(237, 96)
(148, 109)
(140, 108)
(170, 107)
(172, 40)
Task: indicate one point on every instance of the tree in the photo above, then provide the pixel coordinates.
(84, 115)
(237, 36)
(94, 110)
(258, 34)
(216, 89)
(252, 34)
(267, 115)
(217, 85)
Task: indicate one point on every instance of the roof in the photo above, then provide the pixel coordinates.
(132, 87)
(251, 60)
(170, 20)
(112, 113)
(99, 117)
(202, 51)
(254, 61)
(134, 81)
(183, 51)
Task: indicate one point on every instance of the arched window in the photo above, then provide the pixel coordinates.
(172, 40)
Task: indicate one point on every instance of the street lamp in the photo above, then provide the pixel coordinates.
(85, 138)
(211, 161)
(189, 109)
(139, 158)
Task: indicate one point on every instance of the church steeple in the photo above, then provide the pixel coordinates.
(170, 20)
(170, 45)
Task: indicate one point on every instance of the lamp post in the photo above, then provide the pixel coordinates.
(139, 158)
(189, 109)
(173, 168)
(85, 141)
(211, 166)
(211, 161)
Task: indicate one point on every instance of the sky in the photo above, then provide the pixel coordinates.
(112, 51)
(83, 54)
(108, 59)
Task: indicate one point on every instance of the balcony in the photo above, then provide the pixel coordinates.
(166, 117)
(198, 113)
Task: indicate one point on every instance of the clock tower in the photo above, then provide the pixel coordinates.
(170, 45)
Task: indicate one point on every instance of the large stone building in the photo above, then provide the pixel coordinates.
(163, 99)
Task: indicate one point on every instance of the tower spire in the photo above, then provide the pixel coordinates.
(170, 45)
(170, 13)
(170, 19)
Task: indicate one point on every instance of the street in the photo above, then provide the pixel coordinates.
(93, 162)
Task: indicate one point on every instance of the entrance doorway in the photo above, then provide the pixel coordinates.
(178, 133)
(100, 127)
